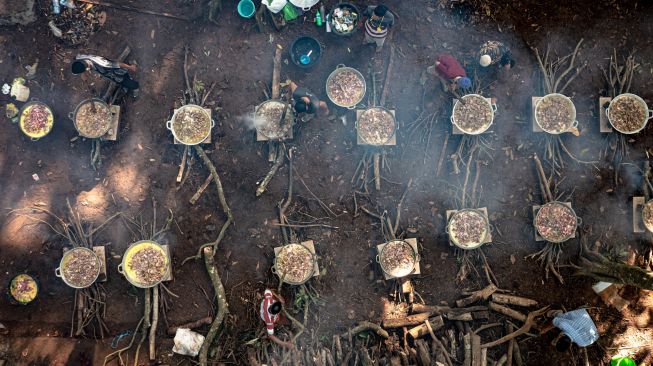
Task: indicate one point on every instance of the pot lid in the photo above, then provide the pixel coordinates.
(304, 4)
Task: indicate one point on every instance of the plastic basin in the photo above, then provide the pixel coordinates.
(301, 47)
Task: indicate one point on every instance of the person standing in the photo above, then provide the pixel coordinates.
(378, 24)
(495, 53)
(448, 68)
(271, 306)
(118, 72)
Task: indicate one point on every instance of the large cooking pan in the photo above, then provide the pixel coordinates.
(394, 128)
(613, 102)
(190, 107)
(571, 124)
(340, 69)
(490, 106)
(99, 104)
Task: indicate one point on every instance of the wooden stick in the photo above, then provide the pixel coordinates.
(281, 157)
(476, 349)
(189, 88)
(547, 190)
(511, 346)
(377, 173)
(468, 316)
(129, 8)
(118, 353)
(512, 300)
(516, 354)
(507, 311)
(422, 330)
(475, 184)
(475, 296)
(155, 322)
(207, 93)
(443, 151)
(72, 322)
(439, 344)
(467, 347)
(201, 189)
(279, 342)
(571, 66)
(223, 307)
(401, 201)
(251, 357)
(190, 325)
(409, 320)
(182, 166)
(276, 74)
(364, 326)
(223, 204)
(423, 355)
(81, 305)
(388, 73)
(486, 326)
(530, 322)
(417, 308)
(258, 16)
(449, 313)
(467, 172)
(146, 324)
(502, 360)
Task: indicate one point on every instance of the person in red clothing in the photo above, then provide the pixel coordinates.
(271, 306)
(449, 69)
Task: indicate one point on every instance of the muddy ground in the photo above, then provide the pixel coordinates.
(143, 165)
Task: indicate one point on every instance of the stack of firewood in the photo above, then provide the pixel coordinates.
(453, 339)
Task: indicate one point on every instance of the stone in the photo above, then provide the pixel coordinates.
(14, 12)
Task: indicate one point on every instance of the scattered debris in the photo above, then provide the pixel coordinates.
(187, 342)
(19, 90)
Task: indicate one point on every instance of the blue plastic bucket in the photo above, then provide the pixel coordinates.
(246, 8)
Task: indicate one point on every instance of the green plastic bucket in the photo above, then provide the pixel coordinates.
(622, 361)
(246, 8)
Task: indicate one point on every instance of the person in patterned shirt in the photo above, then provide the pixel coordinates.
(378, 24)
(495, 53)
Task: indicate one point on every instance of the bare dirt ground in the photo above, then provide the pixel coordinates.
(143, 164)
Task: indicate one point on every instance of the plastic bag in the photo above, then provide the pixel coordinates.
(289, 12)
(274, 6)
(11, 112)
(578, 326)
(19, 90)
(187, 342)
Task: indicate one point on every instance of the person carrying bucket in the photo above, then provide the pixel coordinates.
(448, 68)
(378, 24)
(118, 72)
(305, 101)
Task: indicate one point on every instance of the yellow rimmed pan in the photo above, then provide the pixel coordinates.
(125, 268)
(30, 108)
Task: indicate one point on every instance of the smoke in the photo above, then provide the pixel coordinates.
(249, 121)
